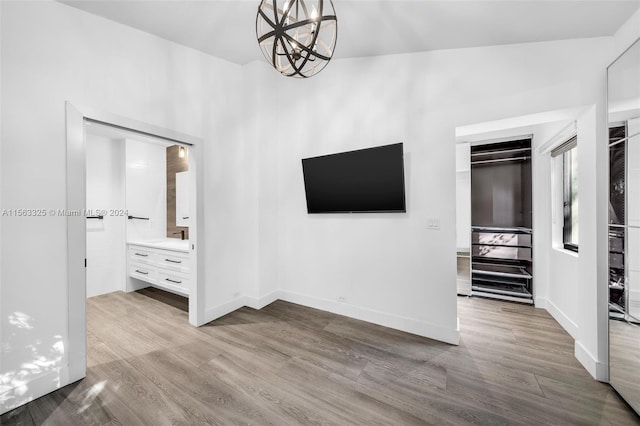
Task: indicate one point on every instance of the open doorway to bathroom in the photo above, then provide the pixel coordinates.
(137, 210)
(135, 189)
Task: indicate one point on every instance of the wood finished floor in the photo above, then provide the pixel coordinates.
(289, 365)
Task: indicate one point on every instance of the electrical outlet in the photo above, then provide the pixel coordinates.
(342, 299)
(433, 224)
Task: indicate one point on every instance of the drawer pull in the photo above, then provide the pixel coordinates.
(142, 272)
(173, 261)
(173, 281)
(141, 254)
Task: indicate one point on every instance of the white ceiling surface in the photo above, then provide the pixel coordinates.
(226, 29)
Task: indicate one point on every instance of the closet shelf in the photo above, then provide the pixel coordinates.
(502, 245)
(489, 280)
(503, 289)
(514, 230)
(520, 273)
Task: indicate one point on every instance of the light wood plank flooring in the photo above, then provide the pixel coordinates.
(290, 365)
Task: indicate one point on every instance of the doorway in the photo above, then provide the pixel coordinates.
(566, 283)
(179, 258)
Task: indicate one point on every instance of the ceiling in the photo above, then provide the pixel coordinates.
(226, 29)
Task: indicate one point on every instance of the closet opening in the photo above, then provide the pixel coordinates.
(501, 220)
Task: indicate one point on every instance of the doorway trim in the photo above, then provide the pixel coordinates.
(76, 116)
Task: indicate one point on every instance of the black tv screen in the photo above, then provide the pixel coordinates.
(363, 181)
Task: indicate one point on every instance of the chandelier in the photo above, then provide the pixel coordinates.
(297, 37)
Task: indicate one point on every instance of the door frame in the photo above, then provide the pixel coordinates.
(76, 224)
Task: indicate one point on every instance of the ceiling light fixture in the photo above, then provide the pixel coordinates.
(297, 38)
(181, 152)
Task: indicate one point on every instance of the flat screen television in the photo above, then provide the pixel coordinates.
(363, 181)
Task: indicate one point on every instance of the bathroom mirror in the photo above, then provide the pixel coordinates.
(623, 106)
(178, 192)
(182, 199)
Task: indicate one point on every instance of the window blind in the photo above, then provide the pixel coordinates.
(564, 147)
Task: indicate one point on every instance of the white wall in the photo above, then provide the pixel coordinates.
(106, 248)
(52, 53)
(593, 240)
(582, 297)
(146, 190)
(555, 270)
(230, 190)
(463, 196)
(261, 118)
(388, 267)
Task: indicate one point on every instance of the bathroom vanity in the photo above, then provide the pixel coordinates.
(161, 263)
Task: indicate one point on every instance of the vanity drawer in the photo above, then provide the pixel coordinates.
(173, 281)
(142, 271)
(173, 260)
(141, 254)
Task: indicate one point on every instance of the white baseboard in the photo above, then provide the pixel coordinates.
(598, 370)
(263, 301)
(540, 302)
(224, 309)
(14, 396)
(564, 321)
(409, 325)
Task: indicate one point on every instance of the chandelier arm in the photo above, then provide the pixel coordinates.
(306, 49)
(313, 43)
(325, 45)
(304, 7)
(275, 12)
(309, 21)
(266, 36)
(274, 49)
(266, 18)
(286, 51)
(270, 7)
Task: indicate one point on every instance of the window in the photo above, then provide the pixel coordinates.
(570, 201)
(569, 153)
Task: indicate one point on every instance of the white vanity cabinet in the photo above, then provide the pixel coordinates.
(162, 267)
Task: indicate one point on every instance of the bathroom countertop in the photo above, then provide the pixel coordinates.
(165, 243)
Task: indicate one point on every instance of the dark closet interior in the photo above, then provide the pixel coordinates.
(618, 291)
(501, 221)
